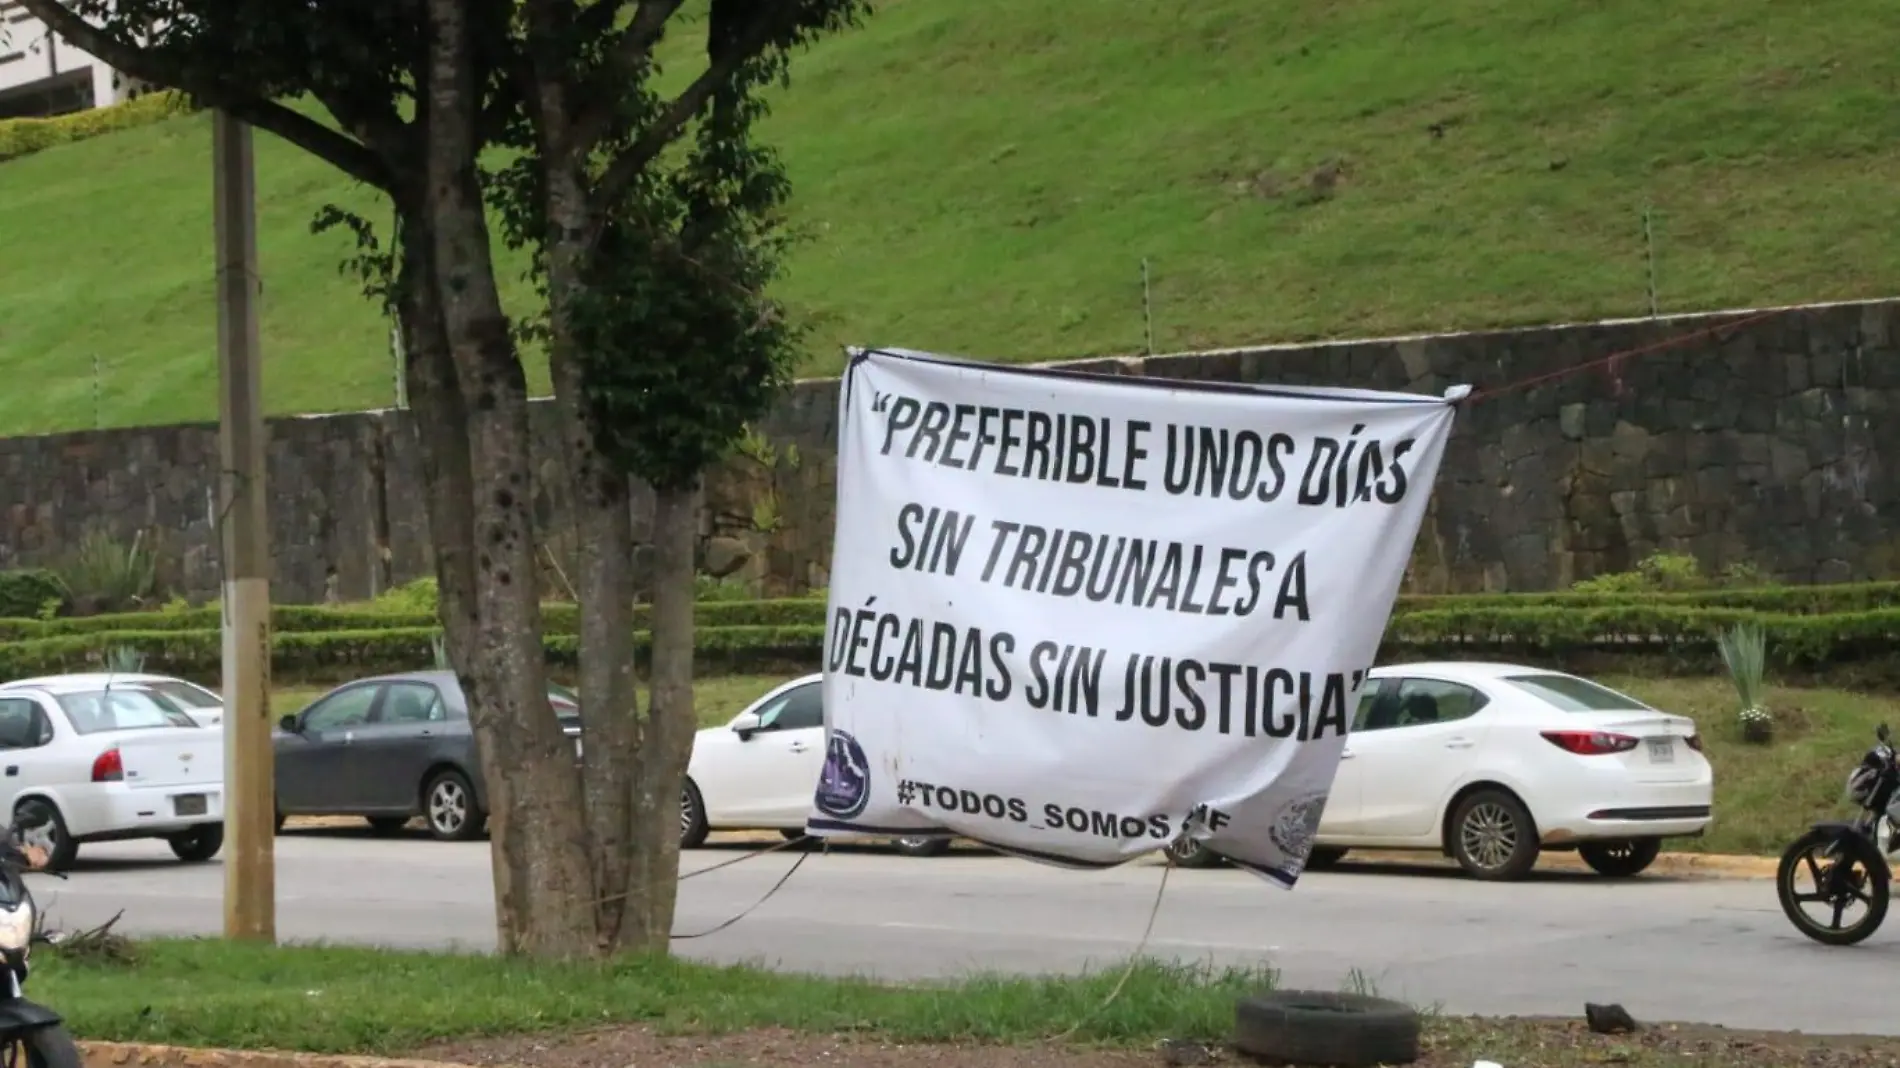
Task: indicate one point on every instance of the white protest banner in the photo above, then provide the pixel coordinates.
(1074, 616)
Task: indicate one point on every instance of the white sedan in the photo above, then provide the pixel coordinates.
(1492, 763)
(89, 762)
(205, 707)
(758, 772)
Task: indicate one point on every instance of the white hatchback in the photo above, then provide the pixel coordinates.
(1491, 764)
(93, 761)
(758, 772)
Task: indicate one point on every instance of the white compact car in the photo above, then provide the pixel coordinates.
(1493, 763)
(94, 760)
(758, 772)
(205, 707)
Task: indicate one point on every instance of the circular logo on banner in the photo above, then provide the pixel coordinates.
(845, 787)
(1297, 825)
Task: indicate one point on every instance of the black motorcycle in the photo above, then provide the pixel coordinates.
(31, 1035)
(1844, 864)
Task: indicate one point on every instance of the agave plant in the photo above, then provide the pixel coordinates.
(1744, 650)
(439, 647)
(102, 575)
(124, 660)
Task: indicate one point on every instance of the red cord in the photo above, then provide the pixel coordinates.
(1643, 350)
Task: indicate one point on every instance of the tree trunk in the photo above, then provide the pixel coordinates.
(610, 703)
(439, 422)
(543, 905)
(667, 744)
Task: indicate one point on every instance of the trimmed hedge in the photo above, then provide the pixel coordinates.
(319, 654)
(23, 137)
(1796, 600)
(1429, 611)
(1682, 636)
(318, 619)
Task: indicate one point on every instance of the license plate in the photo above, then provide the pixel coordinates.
(189, 804)
(1662, 751)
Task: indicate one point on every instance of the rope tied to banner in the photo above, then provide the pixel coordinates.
(1615, 359)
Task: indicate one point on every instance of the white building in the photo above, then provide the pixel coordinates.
(41, 74)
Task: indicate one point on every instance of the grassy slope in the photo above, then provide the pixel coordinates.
(984, 176)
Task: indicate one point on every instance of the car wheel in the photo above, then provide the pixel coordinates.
(384, 826)
(1322, 858)
(693, 827)
(1492, 836)
(199, 844)
(1188, 853)
(448, 806)
(921, 845)
(39, 813)
(1620, 860)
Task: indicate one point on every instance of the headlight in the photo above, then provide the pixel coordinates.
(16, 927)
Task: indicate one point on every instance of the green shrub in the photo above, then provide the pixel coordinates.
(24, 594)
(418, 596)
(23, 137)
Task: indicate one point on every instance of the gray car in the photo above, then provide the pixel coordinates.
(389, 749)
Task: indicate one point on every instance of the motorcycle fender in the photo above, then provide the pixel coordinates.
(19, 1014)
(1869, 853)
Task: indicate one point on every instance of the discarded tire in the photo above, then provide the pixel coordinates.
(1320, 1027)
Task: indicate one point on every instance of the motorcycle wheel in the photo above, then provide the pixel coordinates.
(1839, 882)
(51, 1046)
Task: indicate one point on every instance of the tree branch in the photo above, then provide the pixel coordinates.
(779, 19)
(340, 151)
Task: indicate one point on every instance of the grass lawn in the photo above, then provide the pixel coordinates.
(464, 1008)
(1766, 795)
(986, 176)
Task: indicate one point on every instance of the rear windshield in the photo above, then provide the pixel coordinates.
(120, 710)
(1572, 694)
(184, 693)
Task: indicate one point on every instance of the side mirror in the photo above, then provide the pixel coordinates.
(1881, 732)
(288, 725)
(745, 725)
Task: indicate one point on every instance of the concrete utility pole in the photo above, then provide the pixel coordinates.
(250, 862)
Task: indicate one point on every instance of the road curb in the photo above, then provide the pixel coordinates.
(1678, 865)
(144, 1055)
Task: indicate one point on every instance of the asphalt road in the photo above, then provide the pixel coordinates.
(1668, 949)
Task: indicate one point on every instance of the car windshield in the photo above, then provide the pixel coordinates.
(1572, 694)
(120, 710)
(183, 694)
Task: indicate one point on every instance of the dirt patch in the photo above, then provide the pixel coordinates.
(1449, 1042)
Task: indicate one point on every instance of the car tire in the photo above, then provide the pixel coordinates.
(1188, 853)
(921, 845)
(199, 844)
(449, 809)
(35, 811)
(1324, 1027)
(693, 828)
(1492, 837)
(1323, 858)
(1620, 860)
(385, 826)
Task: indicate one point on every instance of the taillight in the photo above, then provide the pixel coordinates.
(1590, 743)
(1695, 742)
(107, 767)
